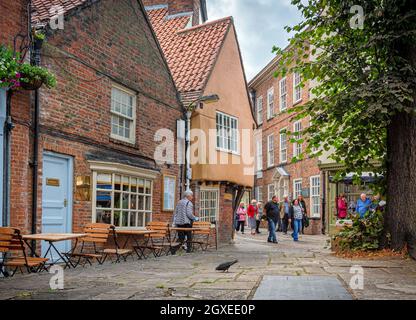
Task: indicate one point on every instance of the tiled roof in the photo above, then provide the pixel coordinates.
(42, 7)
(190, 52)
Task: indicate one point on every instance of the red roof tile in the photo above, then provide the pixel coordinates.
(42, 7)
(191, 52)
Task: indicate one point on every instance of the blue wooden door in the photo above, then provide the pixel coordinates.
(57, 198)
(2, 122)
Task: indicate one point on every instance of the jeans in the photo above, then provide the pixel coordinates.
(297, 224)
(272, 230)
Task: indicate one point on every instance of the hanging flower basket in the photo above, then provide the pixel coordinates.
(32, 85)
(17, 75)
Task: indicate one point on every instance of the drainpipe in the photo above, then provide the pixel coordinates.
(7, 160)
(188, 150)
(35, 60)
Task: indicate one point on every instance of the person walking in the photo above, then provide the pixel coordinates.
(305, 221)
(258, 216)
(342, 206)
(287, 206)
(363, 205)
(183, 217)
(252, 212)
(273, 214)
(297, 217)
(241, 214)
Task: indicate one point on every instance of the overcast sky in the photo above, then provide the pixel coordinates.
(259, 25)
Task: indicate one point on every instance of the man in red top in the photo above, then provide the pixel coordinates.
(252, 213)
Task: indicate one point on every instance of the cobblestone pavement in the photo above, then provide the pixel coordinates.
(192, 276)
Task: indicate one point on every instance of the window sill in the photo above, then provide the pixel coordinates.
(118, 140)
(228, 151)
(297, 102)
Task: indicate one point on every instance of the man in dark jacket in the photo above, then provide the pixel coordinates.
(273, 216)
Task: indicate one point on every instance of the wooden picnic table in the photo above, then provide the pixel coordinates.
(51, 238)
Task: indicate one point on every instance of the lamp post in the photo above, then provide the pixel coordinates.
(194, 105)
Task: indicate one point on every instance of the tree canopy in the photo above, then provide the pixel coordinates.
(350, 49)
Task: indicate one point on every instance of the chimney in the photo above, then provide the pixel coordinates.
(196, 8)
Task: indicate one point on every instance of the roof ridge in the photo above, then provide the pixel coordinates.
(206, 24)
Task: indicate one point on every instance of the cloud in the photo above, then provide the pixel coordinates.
(260, 25)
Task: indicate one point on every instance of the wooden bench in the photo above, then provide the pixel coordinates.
(14, 253)
(201, 237)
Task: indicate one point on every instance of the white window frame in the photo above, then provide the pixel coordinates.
(296, 192)
(283, 159)
(314, 195)
(223, 130)
(259, 155)
(297, 147)
(283, 94)
(202, 201)
(271, 192)
(259, 110)
(270, 151)
(259, 193)
(132, 138)
(270, 103)
(297, 88)
(112, 209)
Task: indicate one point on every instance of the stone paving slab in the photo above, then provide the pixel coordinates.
(193, 276)
(301, 288)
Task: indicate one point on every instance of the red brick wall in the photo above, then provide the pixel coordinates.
(90, 55)
(303, 169)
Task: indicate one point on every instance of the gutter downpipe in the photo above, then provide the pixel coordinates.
(188, 150)
(7, 160)
(35, 60)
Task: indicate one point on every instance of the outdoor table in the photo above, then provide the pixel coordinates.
(51, 238)
(177, 230)
(135, 235)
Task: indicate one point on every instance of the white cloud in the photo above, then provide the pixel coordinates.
(260, 25)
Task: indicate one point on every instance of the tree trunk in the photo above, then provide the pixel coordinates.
(401, 167)
(401, 182)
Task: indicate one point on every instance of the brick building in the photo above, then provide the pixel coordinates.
(276, 173)
(205, 60)
(15, 112)
(96, 140)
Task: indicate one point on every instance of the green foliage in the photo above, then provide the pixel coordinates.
(364, 234)
(9, 66)
(34, 73)
(360, 81)
(13, 73)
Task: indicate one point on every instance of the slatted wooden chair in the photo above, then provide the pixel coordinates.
(158, 243)
(200, 238)
(92, 246)
(117, 250)
(14, 253)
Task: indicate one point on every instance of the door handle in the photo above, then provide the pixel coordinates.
(65, 203)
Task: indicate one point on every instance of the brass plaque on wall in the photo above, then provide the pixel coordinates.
(228, 196)
(52, 182)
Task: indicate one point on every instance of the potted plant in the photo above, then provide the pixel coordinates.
(33, 77)
(16, 75)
